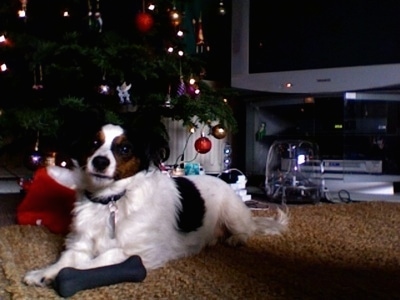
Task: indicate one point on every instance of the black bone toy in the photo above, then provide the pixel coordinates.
(70, 280)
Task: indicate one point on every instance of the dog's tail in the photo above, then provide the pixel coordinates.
(272, 225)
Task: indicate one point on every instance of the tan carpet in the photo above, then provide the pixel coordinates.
(332, 251)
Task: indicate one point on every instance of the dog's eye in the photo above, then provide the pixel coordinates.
(125, 149)
(95, 143)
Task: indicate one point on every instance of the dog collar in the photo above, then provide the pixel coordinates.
(104, 200)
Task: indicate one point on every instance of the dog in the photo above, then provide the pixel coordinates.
(127, 206)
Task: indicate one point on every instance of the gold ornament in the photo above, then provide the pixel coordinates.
(218, 131)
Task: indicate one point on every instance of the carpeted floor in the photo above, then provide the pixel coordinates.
(331, 251)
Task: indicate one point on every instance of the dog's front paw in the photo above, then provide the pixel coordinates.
(38, 278)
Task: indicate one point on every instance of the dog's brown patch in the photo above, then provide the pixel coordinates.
(127, 163)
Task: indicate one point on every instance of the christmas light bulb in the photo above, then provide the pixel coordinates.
(66, 14)
(179, 33)
(3, 67)
(104, 89)
(180, 53)
(151, 6)
(21, 13)
(175, 17)
(170, 49)
(192, 81)
(221, 8)
(2, 38)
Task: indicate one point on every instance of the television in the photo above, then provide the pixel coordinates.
(315, 46)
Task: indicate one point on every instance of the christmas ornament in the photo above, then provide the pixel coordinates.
(95, 19)
(167, 102)
(123, 93)
(218, 131)
(202, 145)
(104, 87)
(37, 82)
(34, 160)
(181, 89)
(99, 21)
(192, 89)
(144, 22)
(200, 42)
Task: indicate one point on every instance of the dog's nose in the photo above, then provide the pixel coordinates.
(100, 163)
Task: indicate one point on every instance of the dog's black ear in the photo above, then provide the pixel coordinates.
(157, 142)
(160, 145)
(79, 127)
(153, 136)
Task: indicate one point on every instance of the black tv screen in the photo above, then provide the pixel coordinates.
(315, 46)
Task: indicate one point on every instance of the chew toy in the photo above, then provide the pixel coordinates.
(70, 280)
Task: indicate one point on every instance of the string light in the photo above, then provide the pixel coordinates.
(104, 89)
(175, 17)
(221, 8)
(22, 11)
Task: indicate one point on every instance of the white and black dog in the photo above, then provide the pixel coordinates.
(126, 206)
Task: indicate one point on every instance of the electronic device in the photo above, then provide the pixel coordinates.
(312, 47)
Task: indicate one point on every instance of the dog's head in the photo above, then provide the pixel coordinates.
(115, 153)
(107, 152)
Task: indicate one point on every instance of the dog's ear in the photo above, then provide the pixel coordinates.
(160, 145)
(153, 137)
(78, 128)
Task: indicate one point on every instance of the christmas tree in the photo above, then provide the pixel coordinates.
(126, 58)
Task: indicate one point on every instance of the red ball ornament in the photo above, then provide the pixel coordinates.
(202, 145)
(144, 22)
